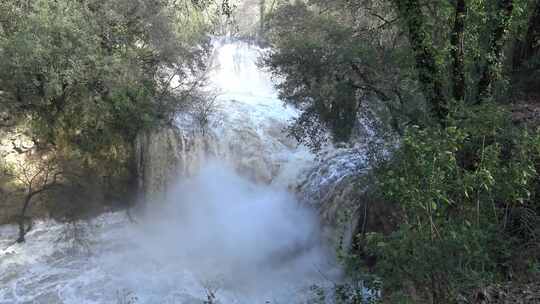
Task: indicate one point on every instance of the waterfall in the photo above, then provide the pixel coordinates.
(221, 220)
(244, 127)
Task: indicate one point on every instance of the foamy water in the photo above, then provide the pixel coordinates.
(245, 243)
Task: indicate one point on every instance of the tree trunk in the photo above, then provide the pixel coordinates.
(262, 9)
(429, 73)
(531, 45)
(458, 55)
(493, 67)
(22, 218)
(22, 231)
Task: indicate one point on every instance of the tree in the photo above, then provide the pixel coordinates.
(458, 53)
(94, 73)
(530, 46)
(37, 174)
(334, 57)
(262, 12)
(450, 51)
(85, 77)
(493, 66)
(429, 72)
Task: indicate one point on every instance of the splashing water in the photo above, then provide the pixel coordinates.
(231, 232)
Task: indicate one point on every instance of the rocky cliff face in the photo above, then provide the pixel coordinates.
(338, 187)
(333, 188)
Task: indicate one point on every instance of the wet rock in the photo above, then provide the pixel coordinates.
(158, 160)
(337, 187)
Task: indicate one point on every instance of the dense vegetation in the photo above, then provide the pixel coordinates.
(93, 73)
(443, 82)
(85, 77)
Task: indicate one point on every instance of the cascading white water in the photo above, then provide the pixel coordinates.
(231, 229)
(247, 121)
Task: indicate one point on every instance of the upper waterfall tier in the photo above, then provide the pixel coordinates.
(235, 70)
(242, 123)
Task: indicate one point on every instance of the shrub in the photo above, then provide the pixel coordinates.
(457, 188)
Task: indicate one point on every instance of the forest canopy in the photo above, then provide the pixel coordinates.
(422, 62)
(94, 73)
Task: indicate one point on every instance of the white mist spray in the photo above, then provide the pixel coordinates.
(252, 240)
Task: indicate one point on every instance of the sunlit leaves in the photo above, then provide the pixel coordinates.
(89, 75)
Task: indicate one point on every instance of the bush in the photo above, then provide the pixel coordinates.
(458, 188)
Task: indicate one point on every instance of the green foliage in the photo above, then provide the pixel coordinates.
(88, 76)
(93, 73)
(332, 57)
(456, 187)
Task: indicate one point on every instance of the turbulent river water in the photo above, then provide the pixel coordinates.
(231, 231)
